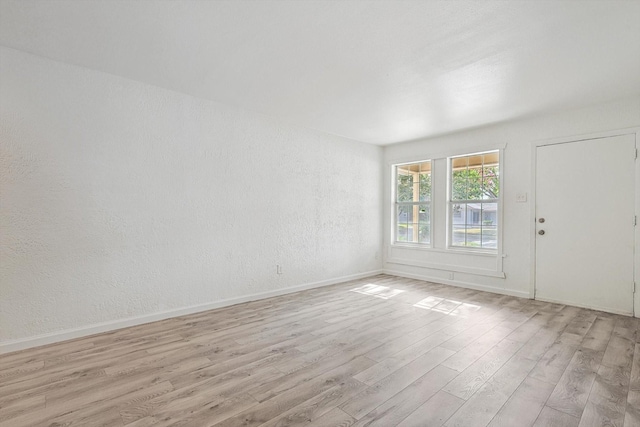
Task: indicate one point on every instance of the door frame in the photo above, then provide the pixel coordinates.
(532, 215)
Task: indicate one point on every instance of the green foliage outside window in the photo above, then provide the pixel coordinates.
(406, 186)
(475, 183)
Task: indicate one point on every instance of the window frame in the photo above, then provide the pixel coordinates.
(396, 204)
(499, 205)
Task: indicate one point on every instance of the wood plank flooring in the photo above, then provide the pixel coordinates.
(382, 351)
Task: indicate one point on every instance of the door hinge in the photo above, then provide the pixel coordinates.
(635, 220)
(634, 287)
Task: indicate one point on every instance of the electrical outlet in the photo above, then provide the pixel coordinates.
(521, 198)
(278, 269)
(451, 275)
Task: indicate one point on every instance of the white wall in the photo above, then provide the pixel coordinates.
(122, 200)
(518, 137)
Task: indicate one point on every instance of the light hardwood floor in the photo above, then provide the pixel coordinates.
(383, 351)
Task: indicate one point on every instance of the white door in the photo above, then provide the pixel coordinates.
(585, 195)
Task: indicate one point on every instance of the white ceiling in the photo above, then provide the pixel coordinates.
(374, 71)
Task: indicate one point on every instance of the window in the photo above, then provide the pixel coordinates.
(413, 203)
(474, 195)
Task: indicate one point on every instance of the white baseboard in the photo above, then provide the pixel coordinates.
(68, 334)
(461, 284)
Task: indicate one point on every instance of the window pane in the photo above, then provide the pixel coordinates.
(476, 162)
(474, 225)
(475, 177)
(475, 184)
(412, 224)
(425, 186)
(404, 186)
(402, 231)
(491, 159)
(413, 185)
(467, 184)
(413, 182)
(459, 185)
(459, 163)
(424, 223)
(490, 225)
(459, 224)
(491, 182)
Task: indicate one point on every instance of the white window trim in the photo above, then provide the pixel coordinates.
(468, 250)
(438, 161)
(394, 207)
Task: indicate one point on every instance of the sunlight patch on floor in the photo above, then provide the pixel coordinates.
(377, 291)
(446, 306)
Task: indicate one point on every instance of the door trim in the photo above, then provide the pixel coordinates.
(532, 208)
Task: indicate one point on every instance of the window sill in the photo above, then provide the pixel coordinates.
(470, 251)
(419, 246)
(479, 252)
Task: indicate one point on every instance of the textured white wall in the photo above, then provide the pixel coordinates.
(120, 199)
(519, 137)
